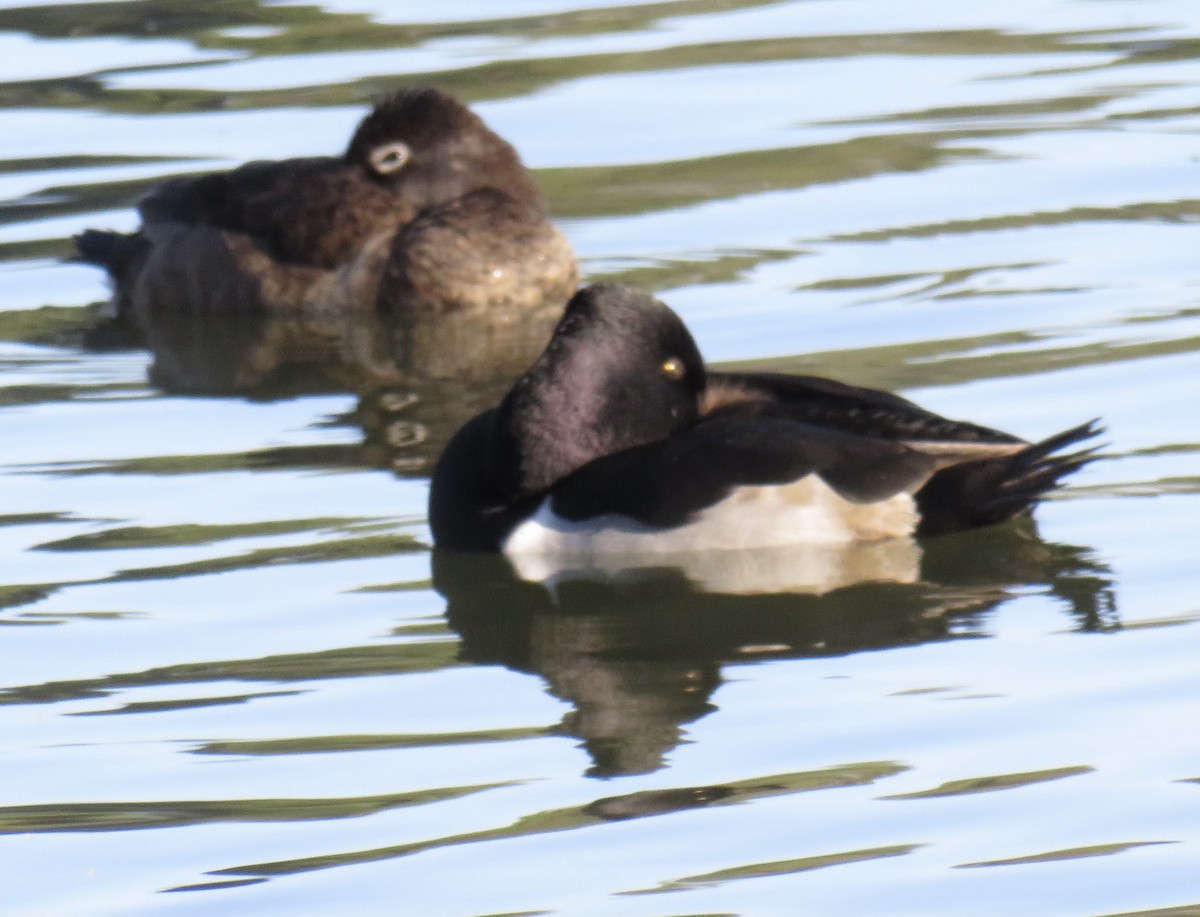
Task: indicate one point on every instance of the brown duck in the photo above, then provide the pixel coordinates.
(428, 210)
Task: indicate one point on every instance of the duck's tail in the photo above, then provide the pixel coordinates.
(117, 252)
(987, 491)
(122, 255)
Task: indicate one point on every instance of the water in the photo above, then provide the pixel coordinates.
(234, 680)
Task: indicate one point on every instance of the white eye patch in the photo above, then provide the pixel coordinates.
(389, 157)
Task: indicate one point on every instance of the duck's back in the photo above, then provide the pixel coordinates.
(316, 212)
(846, 408)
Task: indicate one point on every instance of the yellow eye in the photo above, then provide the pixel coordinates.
(673, 368)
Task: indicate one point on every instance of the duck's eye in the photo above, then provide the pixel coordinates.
(673, 368)
(389, 157)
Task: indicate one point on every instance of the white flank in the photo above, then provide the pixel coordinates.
(811, 569)
(807, 511)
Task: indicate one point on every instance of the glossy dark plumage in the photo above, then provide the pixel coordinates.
(426, 196)
(618, 428)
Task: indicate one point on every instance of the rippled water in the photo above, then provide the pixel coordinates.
(235, 682)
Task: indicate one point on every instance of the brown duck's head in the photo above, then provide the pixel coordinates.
(430, 148)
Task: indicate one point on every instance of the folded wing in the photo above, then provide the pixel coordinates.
(665, 483)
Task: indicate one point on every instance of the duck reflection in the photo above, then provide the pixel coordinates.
(637, 651)
(418, 377)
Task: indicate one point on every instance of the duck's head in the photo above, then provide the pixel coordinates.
(621, 370)
(429, 147)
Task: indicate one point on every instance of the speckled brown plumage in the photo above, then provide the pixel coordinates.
(482, 248)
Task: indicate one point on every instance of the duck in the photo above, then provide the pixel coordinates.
(620, 441)
(427, 210)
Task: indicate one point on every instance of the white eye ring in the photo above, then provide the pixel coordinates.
(389, 157)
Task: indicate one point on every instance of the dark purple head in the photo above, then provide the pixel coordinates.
(621, 370)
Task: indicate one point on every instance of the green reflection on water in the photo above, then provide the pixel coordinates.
(649, 187)
(994, 783)
(185, 703)
(341, 549)
(34, 518)
(300, 27)
(125, 816)
(1179, 211)
(77, 198)
(15, 595)
(295, 458)
(55, 325)
(186, 534)
(700, 268)
(345, 662)
(346, 548)
(295, 29)
(310, 29)
(664, 802)
(1072, 853)
(659, 802)
(46, 618)
(955, 361)
(324, 744)
(779, 868)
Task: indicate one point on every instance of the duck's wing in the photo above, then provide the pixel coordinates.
(221, 199)
(308, 211)
(854, 409)
(982, 475)
(665, 483)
